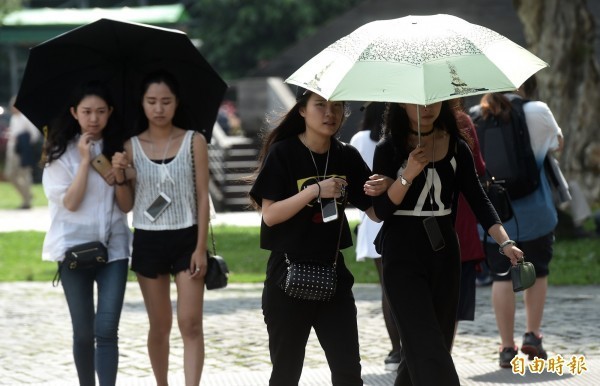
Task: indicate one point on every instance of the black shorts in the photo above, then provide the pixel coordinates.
(537, 251)
(163, 252)
(466, 298)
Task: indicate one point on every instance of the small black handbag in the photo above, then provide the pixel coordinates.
(217, 272)
(86, 255)
(82, 256)
(522, 275)
(311, 280)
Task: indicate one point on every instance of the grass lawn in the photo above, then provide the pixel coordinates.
(576, 261)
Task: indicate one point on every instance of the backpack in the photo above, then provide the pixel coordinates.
(506, 150)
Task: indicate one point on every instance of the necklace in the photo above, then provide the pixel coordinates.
(315, 164)
(414, 132)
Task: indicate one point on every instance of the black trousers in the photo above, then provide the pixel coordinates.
(289, 322)
(422, 287)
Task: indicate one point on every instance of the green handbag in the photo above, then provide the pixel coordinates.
(523, 275)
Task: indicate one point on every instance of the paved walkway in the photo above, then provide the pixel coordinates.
(35, 335)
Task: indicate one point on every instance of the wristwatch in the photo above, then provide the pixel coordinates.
(404, 181)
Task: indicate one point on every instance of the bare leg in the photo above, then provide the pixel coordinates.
(190, 304)
(157, 299)
(535, 298)
(503, 300)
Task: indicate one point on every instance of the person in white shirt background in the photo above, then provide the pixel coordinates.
(364, 141)
(18, 169)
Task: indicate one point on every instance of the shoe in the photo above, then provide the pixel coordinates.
(392, 361)
(532, 346)
(506, 356)
(25, 206)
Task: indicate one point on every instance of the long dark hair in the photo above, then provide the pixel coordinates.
(373, 119)
(65, 127)
(290, 125)
(180, 119)
(397, 125)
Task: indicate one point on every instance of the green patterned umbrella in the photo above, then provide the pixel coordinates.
(417, 59)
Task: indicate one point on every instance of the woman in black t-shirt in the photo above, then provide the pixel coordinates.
(425, 153)
(302, 164)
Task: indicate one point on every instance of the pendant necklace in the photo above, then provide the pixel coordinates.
(314, 163)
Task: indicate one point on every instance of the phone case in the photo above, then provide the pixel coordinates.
(101, 164)
(434, 233)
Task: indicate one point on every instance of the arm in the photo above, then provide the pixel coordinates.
(276, 212)
(76, 191)
(125, 188)
(198, 262)
(510, 250)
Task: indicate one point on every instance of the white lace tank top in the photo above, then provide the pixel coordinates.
(174, 179)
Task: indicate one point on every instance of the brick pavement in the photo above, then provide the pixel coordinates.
(35, 333)
(35, 339)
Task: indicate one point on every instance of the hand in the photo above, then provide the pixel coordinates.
(333, 187)
(84, 145)
(120, 160)
(109, 177)
(377, 184)
(198, 264)
(513, 253)
(417, 160)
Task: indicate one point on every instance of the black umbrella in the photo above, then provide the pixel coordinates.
(120, 54)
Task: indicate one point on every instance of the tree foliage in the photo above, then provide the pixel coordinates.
(238, 35)
(8, 6)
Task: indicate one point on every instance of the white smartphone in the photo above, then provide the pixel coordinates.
(329, 209)
(157, 207)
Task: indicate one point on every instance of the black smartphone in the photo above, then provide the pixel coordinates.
(157, 207)
(434, 233)
(329, 209)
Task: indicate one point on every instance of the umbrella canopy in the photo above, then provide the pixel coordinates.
(120, 54)
(417, 59)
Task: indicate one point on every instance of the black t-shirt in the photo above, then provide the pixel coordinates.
(288, 169)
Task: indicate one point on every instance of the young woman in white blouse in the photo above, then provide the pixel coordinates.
(83, 209)
(169, 237)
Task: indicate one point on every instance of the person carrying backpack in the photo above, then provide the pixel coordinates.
(534, 217)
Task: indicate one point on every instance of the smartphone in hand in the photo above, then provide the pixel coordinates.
(329, 209)
(101, 164)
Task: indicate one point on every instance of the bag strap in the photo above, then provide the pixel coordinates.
(212, 236)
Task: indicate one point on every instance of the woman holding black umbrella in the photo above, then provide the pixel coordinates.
(83, 209)
(171, 166)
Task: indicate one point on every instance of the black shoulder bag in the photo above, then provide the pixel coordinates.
(217, 272)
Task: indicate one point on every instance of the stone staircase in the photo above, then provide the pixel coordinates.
(230, 163)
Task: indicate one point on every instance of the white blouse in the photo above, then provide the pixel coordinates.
(98, 218)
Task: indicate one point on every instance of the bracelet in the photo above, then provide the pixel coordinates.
(504, 244)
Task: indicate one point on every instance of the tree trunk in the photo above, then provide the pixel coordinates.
(562, 33)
